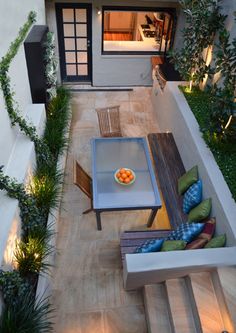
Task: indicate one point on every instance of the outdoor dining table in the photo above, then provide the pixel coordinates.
(110, 154)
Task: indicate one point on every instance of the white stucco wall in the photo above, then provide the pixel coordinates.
(13, 16)
(16, 150)
(174, 115)
(114, 70)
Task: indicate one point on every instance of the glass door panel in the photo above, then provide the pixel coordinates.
(74, 34)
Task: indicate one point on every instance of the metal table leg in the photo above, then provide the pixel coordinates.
(152, 217)
(98, 217)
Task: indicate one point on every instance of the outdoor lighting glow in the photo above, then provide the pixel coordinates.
(11, 245)
(99, 12)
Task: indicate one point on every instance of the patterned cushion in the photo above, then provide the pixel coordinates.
(201, 211)
(192, 197)
(218, 241)
(186, 231)
(173, 245)
(208, 230)
(187, 179)
(150, 245)
(196, 244)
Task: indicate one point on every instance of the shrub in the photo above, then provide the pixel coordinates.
(27, 315)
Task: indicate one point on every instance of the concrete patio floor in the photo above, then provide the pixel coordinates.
(87, 282)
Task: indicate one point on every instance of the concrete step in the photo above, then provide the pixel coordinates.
(224, 280)
(181, 307)
(206, 302)
(157, 309)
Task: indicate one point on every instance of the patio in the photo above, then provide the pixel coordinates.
(87, 279)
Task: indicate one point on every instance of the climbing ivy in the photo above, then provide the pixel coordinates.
(8, 93)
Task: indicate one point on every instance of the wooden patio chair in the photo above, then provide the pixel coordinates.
(109, 121)
(84, 182)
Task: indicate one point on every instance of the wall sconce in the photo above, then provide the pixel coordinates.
(99, 12)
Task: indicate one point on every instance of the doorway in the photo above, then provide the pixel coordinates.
(74, 27)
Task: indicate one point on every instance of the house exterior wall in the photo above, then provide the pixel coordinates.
(13, 16)
(115, 70)
(16, 150)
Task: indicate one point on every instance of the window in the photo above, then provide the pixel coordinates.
(137, 31)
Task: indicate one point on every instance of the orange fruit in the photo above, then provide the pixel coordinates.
(118, 175)
(127, 180)
(124, 175)
(121, 180)
(122, 170)
(128, 172)
(131, 177)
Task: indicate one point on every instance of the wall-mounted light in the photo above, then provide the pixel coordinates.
(99, 12)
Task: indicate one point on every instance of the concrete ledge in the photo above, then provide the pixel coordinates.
(44, 287)
(174, 115)
(149, 268)
(20, 165)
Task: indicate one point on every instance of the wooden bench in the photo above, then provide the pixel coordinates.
(168, 168)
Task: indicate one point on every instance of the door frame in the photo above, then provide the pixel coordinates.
(61, 46)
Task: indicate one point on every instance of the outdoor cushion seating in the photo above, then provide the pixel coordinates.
(150, 245)
(198, 243)
(208, 230)
(186, 231)
(173, 245)
(84, 182)
(200, 212)
(109, 121)
(187, 179)
(218, 241)
(192, 197)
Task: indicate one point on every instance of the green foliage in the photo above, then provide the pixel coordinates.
(13, 286)
(8, 94)
(27, 315)
(58, 115)
(30, 256)
(29, 212)
(223, 110)
(203, 20)
(224, 152)
(44, 187)
(51, 65)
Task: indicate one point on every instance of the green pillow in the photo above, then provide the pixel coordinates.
(173, 245)
(218, 241)
(187, 179)
(200, 212)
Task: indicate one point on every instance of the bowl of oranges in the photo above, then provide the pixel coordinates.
(124, 176)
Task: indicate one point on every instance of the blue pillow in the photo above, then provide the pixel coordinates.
(186, 231)
(150, 245)
(192, 197)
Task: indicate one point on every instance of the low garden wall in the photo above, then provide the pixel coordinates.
(174, 115)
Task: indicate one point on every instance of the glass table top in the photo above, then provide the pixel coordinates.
(110, 154)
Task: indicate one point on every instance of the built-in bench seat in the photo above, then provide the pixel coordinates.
(168, 168)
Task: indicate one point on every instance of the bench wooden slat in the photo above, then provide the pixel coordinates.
(168, 168)
(143, 234)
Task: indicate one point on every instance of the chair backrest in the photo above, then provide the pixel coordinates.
(82, 179)
(109, 121)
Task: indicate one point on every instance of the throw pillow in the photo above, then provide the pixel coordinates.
(187, 179)
(192, 197)
(173, 245)
(196, 244)
(218, 241)
(200, 212)
(150, 245)
(186, 232)
(208, 230)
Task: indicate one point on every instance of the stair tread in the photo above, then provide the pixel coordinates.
(227, 276)
(180, 306)
(206, 301)
(157, 310)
